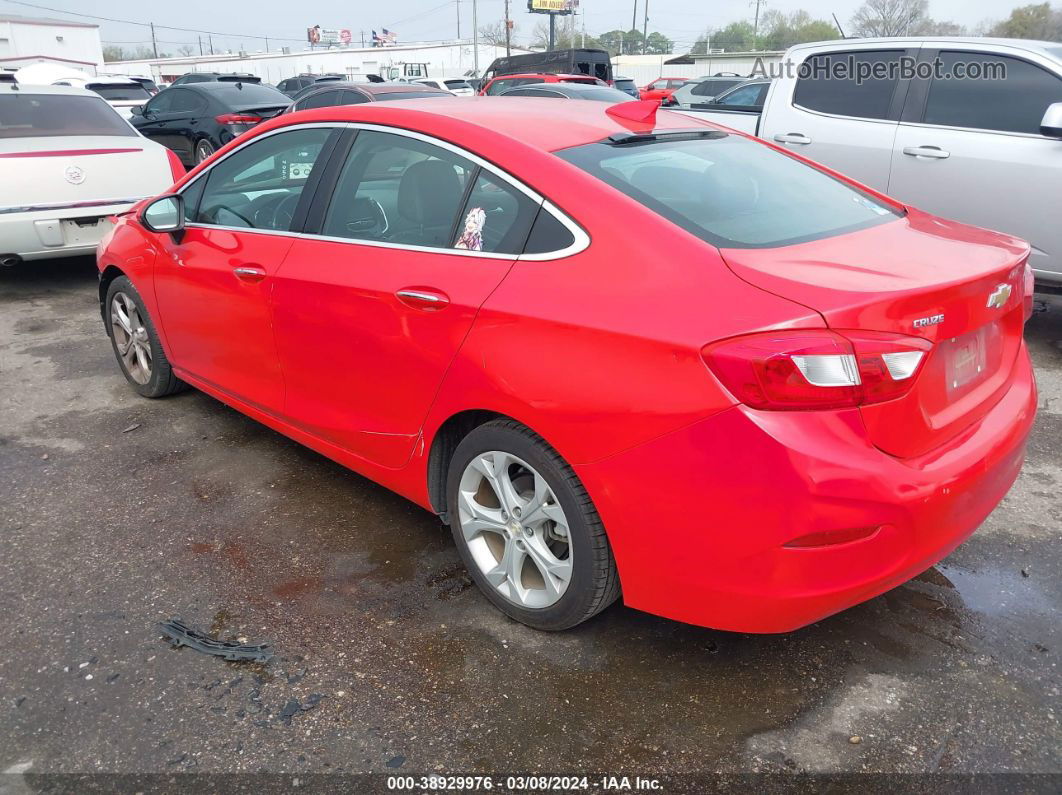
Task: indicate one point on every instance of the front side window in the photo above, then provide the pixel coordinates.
(731, 192)
(746, 96)
(395, 189)
(259, 187)
(186, 102)
(1014, 104)
(322, 99)
(351, 98)
(659, 85)
(26, 115)
(837, 83)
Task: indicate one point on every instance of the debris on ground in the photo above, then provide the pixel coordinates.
(181, 634)
(294, 707)
(132, 427)
(855, 739)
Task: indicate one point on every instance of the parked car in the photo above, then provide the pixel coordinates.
(456, 86)
(747, 96)
(569, 91)
(662, 88)
(591, 62)
(293, 85)
(216, 77)
(122, 93)
(195, 120)
(504, 83)
(342, 93)
(767, 395)
(944, 144)
(69, 162)
(147, 83)
(627, 86)
(701, 89)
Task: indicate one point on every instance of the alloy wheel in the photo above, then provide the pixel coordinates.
(131, 338)
(515, 529)
(203, 150)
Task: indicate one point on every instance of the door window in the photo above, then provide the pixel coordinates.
(746, 96)
(496, 217)
(1014, 104)
(396, 189)
(162, 102)
(322, 99)
(185, 102)
(351, 98)
(837, 83)
(259, 187)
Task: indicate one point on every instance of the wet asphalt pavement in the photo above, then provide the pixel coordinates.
(118, 512)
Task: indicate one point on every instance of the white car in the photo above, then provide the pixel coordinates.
(121, 93)
(457, 85)
(68, 161)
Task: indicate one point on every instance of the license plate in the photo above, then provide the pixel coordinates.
(966, 358)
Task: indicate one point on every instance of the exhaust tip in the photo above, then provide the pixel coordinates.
(9, 260)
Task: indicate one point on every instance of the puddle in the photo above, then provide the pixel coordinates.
(996, 592)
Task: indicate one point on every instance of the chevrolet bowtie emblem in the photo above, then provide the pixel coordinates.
(998, 298)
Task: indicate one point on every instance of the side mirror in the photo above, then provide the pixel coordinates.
(164, 214)
(137, 110)
(1051, 124)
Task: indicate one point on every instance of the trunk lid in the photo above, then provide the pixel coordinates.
(957, 286)
(53, 171)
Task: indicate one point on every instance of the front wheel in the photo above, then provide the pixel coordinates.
(136, 343)
(527, 530)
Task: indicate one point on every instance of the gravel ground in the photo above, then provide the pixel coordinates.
(119, 512)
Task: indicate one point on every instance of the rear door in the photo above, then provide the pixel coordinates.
(403, 246)
(214, 281)
(971, 149)
(836, 111)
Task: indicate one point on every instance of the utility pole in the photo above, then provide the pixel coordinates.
(267, 43)
(645, 28)
(458, 4)
(475, 39)
(508, 32)
(756, 23)
(210, 41)
(200, 46)
(154, 45)
(634, 18)
(552, 30)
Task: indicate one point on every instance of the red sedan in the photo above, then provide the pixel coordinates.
(662, 88)
(616, 351)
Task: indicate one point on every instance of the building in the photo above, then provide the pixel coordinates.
(739, 63)
(452, 59)
(28, 40)
(644, 69)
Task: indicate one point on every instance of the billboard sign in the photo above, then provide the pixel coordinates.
(552, 6)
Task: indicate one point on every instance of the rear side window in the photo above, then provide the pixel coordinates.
(351, 98)
(496, 218)
(25, 115)
(548, 235)
(1016, 104)
(732, 192)
(835, 83)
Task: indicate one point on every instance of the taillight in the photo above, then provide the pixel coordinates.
(817, 369)
(237, 118)
(176, 166)
(1029, 287)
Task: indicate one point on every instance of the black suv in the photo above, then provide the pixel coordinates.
(216, 77)
(293, 85)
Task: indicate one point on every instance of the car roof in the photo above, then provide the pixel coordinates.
(539, 122)
(110, 81)
(373, 88)
(564, 88)
(543, 74)
(1048, 48)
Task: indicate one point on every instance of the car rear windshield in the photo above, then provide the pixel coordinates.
(25, 115)
(386, 95)
(239, 79)
(457, 84)
(133, 91)
(605, 94)
(248, 94)
(731, 192)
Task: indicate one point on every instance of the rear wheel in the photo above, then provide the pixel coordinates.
(203, 150)
(136, 343)
(526, 528)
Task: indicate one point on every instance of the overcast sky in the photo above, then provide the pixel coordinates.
(426, 20)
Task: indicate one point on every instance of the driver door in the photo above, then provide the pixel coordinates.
(213, 281)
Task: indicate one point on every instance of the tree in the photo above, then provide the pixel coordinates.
(735, 37)
(186, 49)
(779, 31)
(890, 17)
(494, 33)
(659, 44)
(115, 53)
(1031, 22)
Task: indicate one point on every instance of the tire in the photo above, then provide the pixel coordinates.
(136, 344)
(563, 533)
(203, 150)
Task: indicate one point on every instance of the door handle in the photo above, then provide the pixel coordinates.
(932, 152)
(423, 298)
(251, 274)
(792, 138)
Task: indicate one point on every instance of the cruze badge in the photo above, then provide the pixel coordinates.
(999, 296)
(932, 320)
(74, 175)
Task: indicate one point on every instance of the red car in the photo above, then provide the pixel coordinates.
(504, 82)
(616, 350)
(662, 88)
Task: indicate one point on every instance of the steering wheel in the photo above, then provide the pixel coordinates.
(284, 212)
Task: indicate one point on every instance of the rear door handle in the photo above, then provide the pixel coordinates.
(932, 152)
(249, 273)
(424, 298)
(792, 138)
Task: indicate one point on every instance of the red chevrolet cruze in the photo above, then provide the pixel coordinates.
(616, 351)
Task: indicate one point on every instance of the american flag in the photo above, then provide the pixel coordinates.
(384, 38)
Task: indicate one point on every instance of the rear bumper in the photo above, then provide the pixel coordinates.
(52, 232)
(699, 519)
